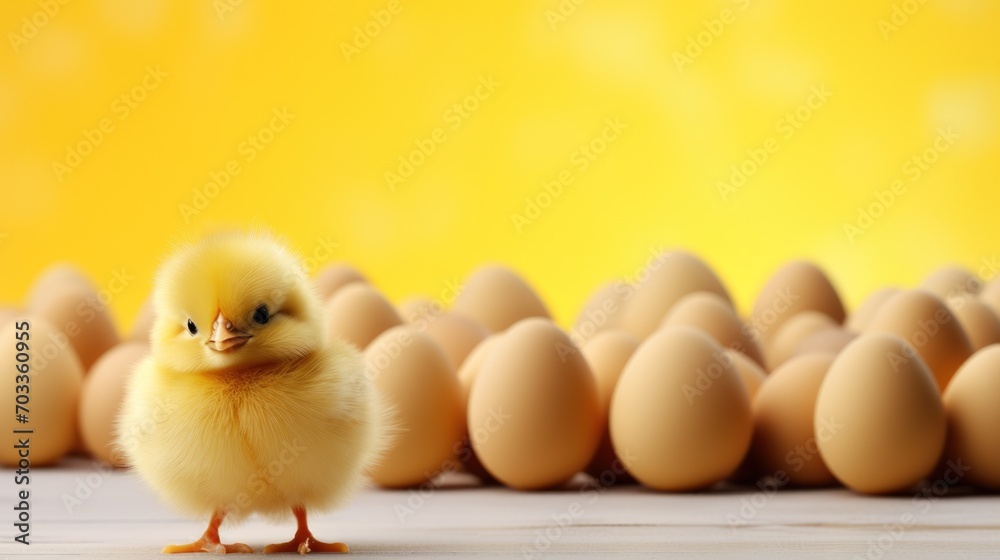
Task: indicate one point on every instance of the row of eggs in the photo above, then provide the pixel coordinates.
(661, 381)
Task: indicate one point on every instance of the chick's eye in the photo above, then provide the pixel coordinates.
(261, 316)
(192, 328)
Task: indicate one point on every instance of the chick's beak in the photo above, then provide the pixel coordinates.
(225, 336)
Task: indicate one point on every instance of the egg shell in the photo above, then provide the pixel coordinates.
(606, 354)
(54, 378)
(456, 334)
(55, 278)
(358, 313)
(473, 363)
(334, 277)
(670, 277)
(142, 327)
(715, 316)
(951, 280)
(751, 373)
(753, 377)
(602, 311)
(415, 376)
(496, 298)
(859, 320)
(7, 314)
(76, 309)
(879, 421)
(792, 332)
(970, 402)
(466, 376)
(979, 322)
(534, 416)
(922, 319)
(101, 398)
(784, 440)
(416, 308)
(830, 341)
(796, 287)
(990, 295)
(680, 415)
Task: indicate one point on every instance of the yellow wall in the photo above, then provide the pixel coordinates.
(558, 80)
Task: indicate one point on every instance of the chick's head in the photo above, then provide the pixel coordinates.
(234, 300)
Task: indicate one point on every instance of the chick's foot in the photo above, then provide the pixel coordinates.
(209, 542)
(302, 545)
(204, 545)
(304, 542)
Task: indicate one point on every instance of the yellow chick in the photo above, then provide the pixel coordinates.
(244, 405)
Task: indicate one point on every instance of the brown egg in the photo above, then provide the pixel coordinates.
(751, 373)
(753, 377)
(7, 314)
(456, 334)
(828, 341)
(415, 376)
(796, 287)
(784, 440)
(102, 395)
(979, 322)
(418, 308)
(680, 415)
(497, 298)
(952, 281)
(54, 376)
(358, 313)
(923, 320)
(672, 276)
(879, 419)
(55, 278)
(792, 332)
(469, 369)
(142, 327)
(466, 376)
(334, 277)
(974, 418)
(607, 353)
(601, 312)
(863, 315)
(69, 303)
(990, 295)
(534, 417)
(714, 315)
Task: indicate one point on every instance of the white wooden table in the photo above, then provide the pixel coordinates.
(122, 519)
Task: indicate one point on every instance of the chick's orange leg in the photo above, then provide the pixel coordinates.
(209, 542)
(303, 541)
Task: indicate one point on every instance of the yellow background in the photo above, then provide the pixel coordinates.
(656, 186)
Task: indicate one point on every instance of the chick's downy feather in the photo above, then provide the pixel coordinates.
(287, 419)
